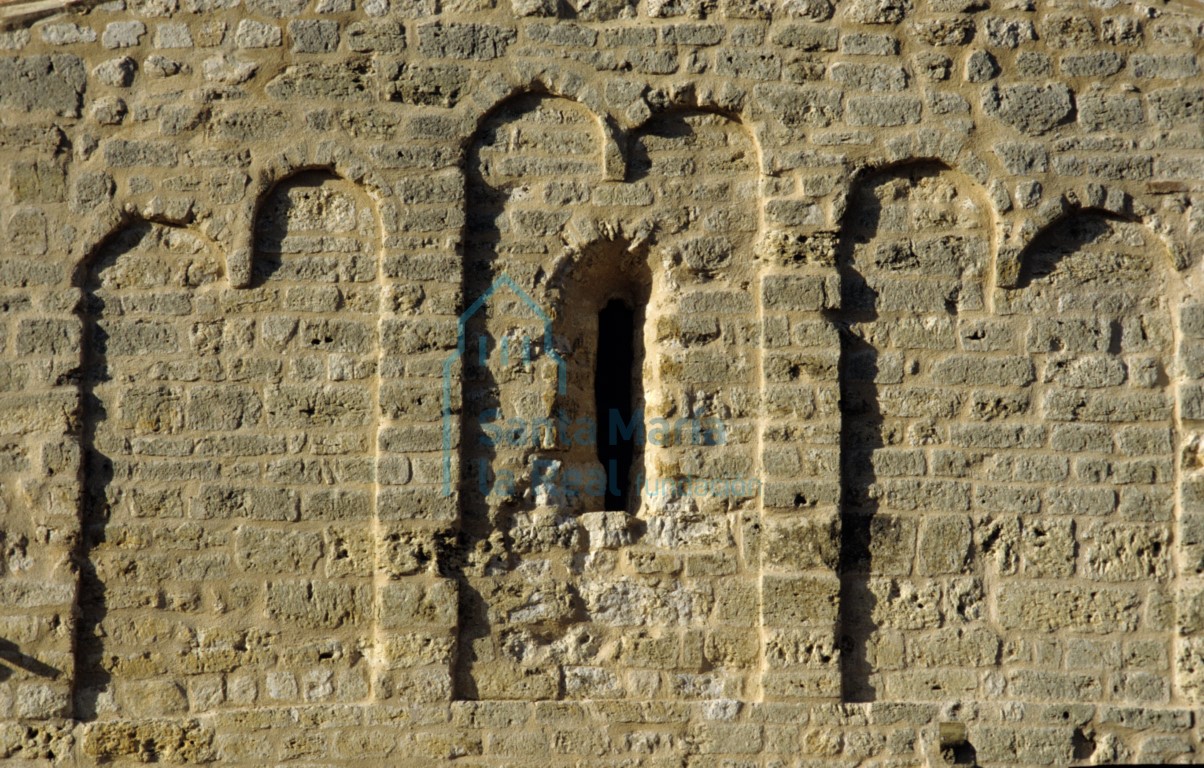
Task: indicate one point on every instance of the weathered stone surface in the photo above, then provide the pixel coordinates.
(352, 81)
(256, 34)
(440, 85)
(1031, 109)
(369, 37)
(54, 82)
(123, 34)
(801, 105)
(903, 292)
(1039, 607)
(464, 41)
(118, 72)
(314, 36)
(184, 741)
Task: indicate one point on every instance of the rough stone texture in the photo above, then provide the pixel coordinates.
(913, 287)
(520, 550)
(54, 82)
(926, 271)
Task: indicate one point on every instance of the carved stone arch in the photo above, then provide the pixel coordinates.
(730, 101)
(1162, 217)
(929, 145)
(549, 85)
(499, 178)
(535, 160)
(106, 223)
(508, 80)
(1106, 197)
(115, 222)
(969, 192)
(918, 149)
(562, 80)
(914, 265)
(315, 200)
(1069, 228)
(338, 163)
(1097, 308)
(148, 375)
(1100, 199)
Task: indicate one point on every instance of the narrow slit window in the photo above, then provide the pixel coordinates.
(613, 400)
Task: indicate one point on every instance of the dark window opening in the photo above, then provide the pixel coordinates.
(613, 400)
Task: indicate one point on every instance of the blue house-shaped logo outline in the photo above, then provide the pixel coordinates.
(502, 280)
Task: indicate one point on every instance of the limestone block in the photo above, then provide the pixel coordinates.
(796, 600)
(123, 34)
(1031, 109)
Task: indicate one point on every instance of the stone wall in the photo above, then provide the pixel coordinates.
(306, 309)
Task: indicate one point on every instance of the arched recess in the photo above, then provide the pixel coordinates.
(396, 258)
(1087, 494)
(337, 161)
(600, 294)
(560, 597)
(152, 407)
(313, 309)
(533, 162)
(918, 358)
(230, 456)
(695, 173)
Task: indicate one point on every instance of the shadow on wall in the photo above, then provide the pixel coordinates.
(1053, 255)
(531, 161)
(860, 435)
(11, 654)
(661, 130)
(126, 288)
(96, 468)
(480, 395)
(534, 162)
(912, 263)
(273, 218)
